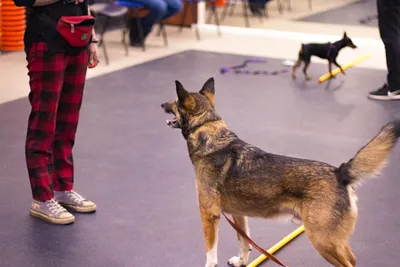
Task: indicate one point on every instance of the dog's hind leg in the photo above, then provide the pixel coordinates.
(350, 255)
(332, 248)
(306, 65)
(295, 66)
(330, 228)
(335, 255)
(244, 246)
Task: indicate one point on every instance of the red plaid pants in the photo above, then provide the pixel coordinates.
(56, 89)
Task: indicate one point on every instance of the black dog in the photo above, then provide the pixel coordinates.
(327, 51)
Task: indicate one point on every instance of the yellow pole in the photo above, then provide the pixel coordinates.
(278, 246)
(327, 76)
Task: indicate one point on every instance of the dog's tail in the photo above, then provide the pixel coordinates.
(372, 158)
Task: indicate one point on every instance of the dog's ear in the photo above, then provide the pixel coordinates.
(209, 86)
(208, 90)
(184, 97)
(344, 34)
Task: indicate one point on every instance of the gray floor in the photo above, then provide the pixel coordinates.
(350, 14)
(138, 172)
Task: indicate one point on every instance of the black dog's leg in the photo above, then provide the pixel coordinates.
(330, 69)
(340, 67)
(295, 66)
(306, 65)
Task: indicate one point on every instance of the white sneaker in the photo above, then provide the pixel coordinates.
(72, 200)
(51, 211)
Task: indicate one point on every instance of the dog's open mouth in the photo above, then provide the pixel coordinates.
(173, 123)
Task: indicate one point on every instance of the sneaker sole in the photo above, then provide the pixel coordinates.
(79, 209)
(384, 97)
(43, 216)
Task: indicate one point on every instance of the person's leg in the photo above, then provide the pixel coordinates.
(257, 7)
(157, 10)
(389, 29)
(173, 8)
(66, 126)
(46, 75)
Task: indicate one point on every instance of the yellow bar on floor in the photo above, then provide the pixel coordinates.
(327, 76)
(278, 246)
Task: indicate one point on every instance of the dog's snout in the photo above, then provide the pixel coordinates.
(164, 106)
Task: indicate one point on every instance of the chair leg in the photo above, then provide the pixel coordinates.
(246, 14)
(280, 6)
(124, 23)
(185, 10)
(289, 5)
(233, 8)
(265, 10)
(194, 15)
(225, 11)
(163, 31)
(210, 15)
(159, 31)
(216, 18)
(101, 41)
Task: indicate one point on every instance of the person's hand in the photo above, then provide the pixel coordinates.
(93, 55)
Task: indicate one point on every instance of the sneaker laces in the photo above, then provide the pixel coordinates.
(55, 207)
(74, 196)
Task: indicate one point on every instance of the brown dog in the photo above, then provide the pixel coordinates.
(235, 177)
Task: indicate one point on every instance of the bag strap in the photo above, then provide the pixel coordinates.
(43, 17)
(248, 239)
(46, 19)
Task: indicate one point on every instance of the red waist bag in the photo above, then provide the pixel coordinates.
(76, 30)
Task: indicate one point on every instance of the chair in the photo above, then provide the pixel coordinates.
(280, 3)
(288, 3)
(136, 11)
(214, 12)
(109, 11)
(230, 4)
(120, 10)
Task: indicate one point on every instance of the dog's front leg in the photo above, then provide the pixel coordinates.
(210, 219)
(330, 69)
(210, 211)
(340, 67)
(244, 246)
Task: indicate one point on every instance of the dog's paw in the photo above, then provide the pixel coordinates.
(236, 262)
(293, 77)
(308, 78)
(211, 264)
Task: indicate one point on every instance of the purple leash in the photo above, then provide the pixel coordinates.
(238, 69)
